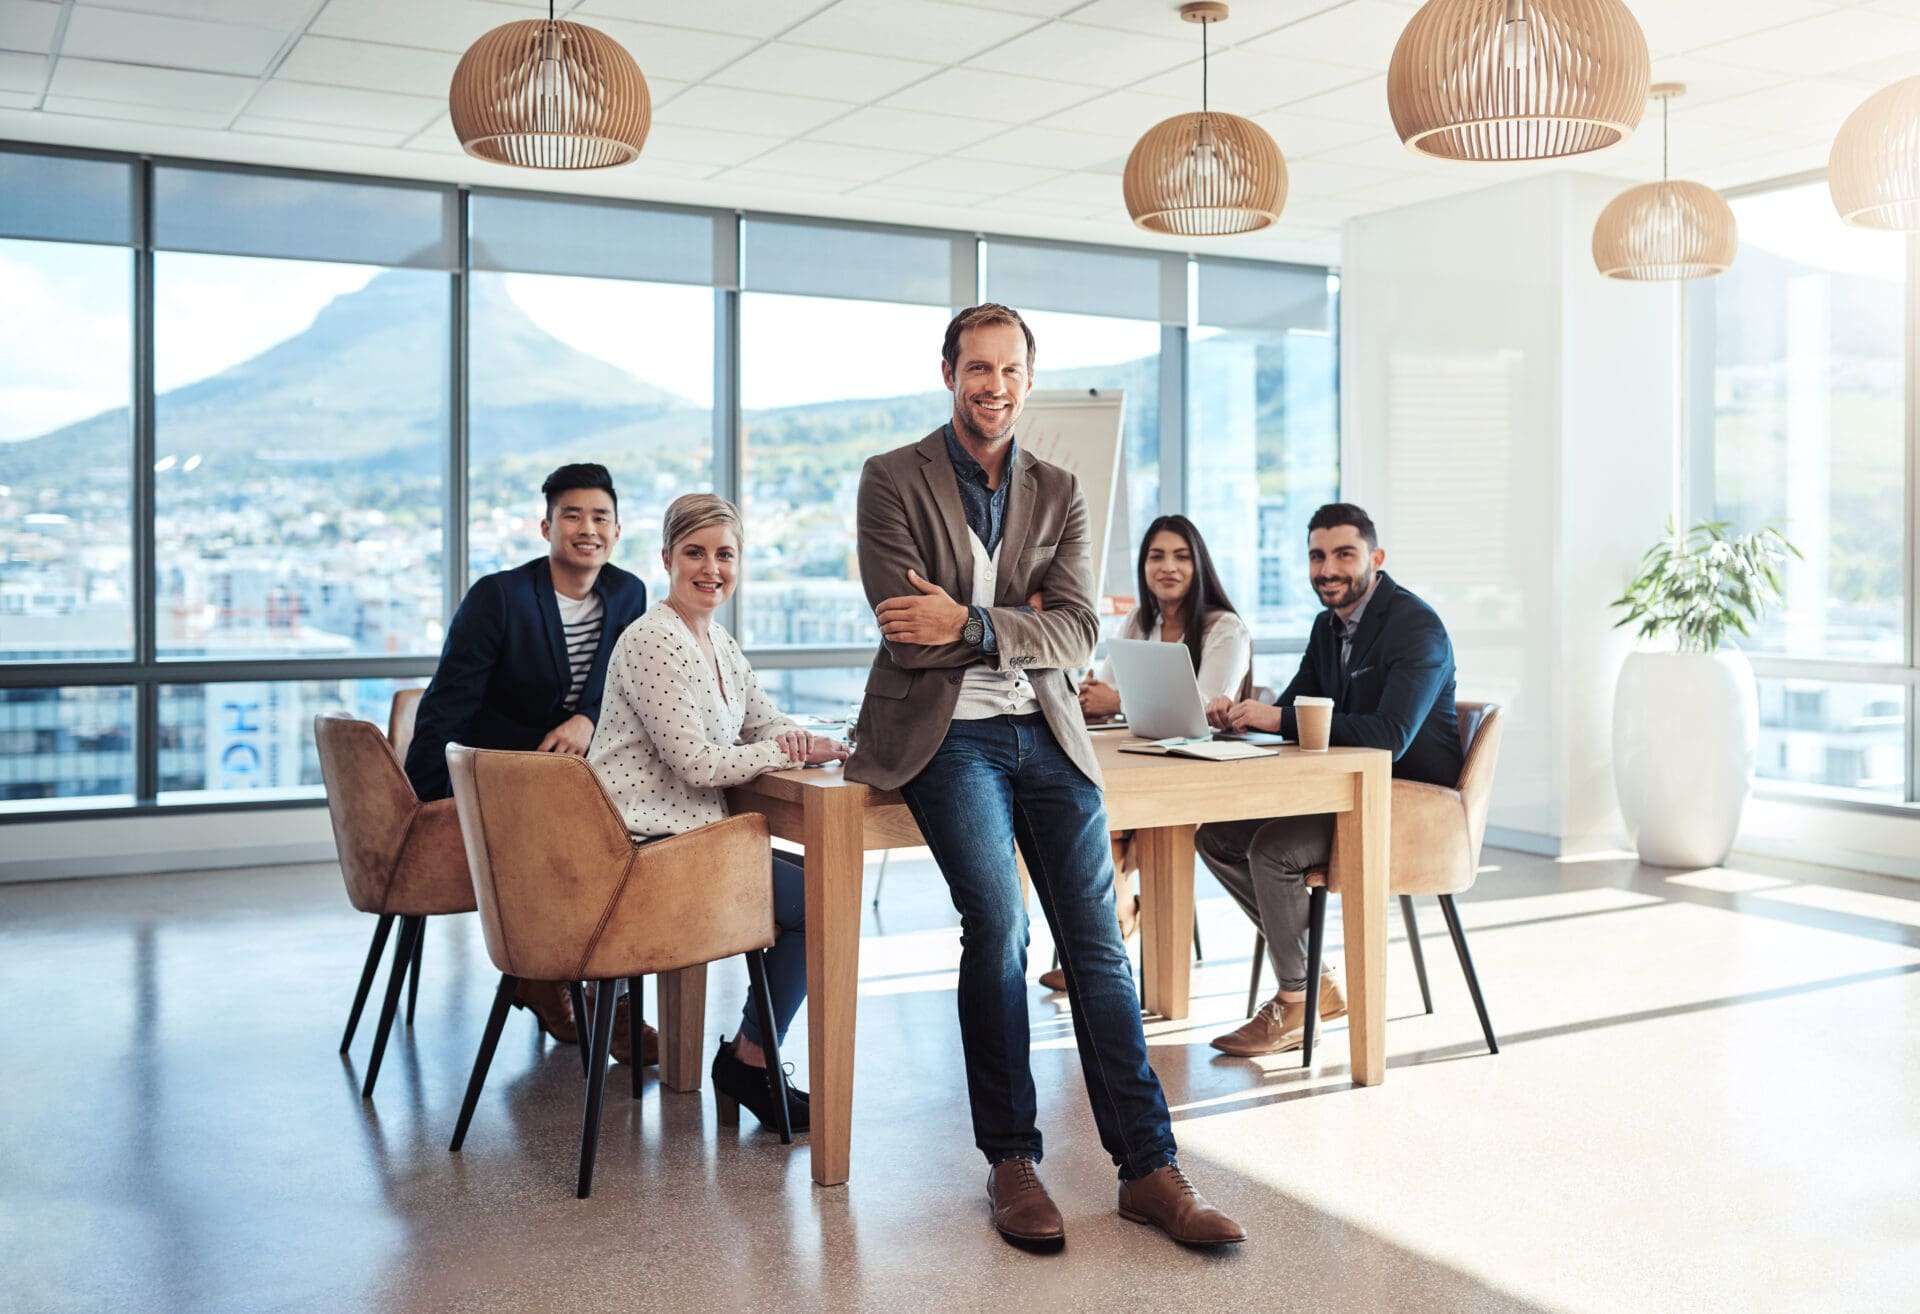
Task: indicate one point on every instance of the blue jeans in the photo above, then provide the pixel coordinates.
(991, 784)
(787, 960)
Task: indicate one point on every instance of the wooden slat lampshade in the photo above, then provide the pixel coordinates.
(1518, 79)
(1874, 170)
(541, 94)
(1668, 230)
(1207, 174)
(1665, 231)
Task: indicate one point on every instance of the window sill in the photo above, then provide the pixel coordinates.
(113, 811)
(1836, 800)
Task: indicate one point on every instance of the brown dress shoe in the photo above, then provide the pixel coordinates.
(622, 1047)
(1281, 1024)
(1023, 1212)
(548, 1001)
(1167, 1200)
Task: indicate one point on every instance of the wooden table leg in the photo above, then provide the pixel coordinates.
(1166, 918)
(683, 1026)
(1362, 848)
(834, 823)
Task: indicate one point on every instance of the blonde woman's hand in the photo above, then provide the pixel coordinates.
(794, 744)
(1217, 713)
(822, 750)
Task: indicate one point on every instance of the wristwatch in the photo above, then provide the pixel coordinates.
(974, 632)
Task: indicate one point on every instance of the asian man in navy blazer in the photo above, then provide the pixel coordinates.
(1384, 658)
(526, 659)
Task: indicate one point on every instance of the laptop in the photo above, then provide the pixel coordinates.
(1159, 695)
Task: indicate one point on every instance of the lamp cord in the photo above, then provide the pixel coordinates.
(1666, 103)
(1203, 66)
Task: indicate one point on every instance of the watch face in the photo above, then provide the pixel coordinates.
(973, 631)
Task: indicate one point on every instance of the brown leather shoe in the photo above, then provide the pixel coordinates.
(1280, 1025)
(548, 1001)
(622, 1048)
(1167, 1200)
(1023, 1212)
(1332, 1003)
(1054, 978)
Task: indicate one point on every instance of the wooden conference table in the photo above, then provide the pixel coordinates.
(1162, 798)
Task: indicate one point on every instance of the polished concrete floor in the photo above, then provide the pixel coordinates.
(1707, 1098)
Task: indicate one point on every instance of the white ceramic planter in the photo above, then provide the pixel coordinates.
(1684, 730)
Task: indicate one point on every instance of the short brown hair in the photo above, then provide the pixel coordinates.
(987, 312)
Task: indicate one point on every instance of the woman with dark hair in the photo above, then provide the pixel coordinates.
(1181, 600)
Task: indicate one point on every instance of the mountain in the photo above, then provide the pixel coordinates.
(365, 384)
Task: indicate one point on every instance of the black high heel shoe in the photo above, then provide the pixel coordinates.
(734, 1084)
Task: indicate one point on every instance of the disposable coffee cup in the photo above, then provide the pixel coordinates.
(1313, 723)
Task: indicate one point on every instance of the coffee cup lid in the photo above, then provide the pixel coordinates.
(1313, 702)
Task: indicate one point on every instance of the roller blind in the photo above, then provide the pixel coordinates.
(1236, 294)
(223, 212)
(1044, 276)
(63, 198)
(522, 234)
(834, 260)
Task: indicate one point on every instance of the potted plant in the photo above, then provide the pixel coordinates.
(1686, 720)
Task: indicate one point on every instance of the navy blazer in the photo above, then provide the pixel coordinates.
(503, 676)
(1397, 693)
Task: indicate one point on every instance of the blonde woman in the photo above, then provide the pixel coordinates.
(685, 718)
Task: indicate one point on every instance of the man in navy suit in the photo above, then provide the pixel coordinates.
(525, 661)
(1384, 658)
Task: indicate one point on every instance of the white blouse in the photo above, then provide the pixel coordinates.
(669, 744)
(1226, 654)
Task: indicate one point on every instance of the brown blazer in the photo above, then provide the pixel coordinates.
(910, 517)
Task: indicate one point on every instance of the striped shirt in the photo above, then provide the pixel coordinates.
(581, 621)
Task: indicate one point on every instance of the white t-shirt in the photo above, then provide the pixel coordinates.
(580, 621)
(1226, 654)
(985, 690)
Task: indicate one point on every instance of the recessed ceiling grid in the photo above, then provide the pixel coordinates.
(1015, 115)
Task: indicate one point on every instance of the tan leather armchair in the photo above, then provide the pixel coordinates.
(400, 719)
(399, 857)
(566, 894)
(1437, 834)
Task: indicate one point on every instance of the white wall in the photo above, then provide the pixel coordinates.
(1508, 419)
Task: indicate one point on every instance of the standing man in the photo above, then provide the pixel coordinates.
(525, 662)
(968, 713)
(1384, 658)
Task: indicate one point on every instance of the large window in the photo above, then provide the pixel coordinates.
(300, 457)
(1807, 345)
(259, 432)
(1264, 415)
(66, 452)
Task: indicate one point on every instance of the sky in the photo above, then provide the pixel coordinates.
(65, 333)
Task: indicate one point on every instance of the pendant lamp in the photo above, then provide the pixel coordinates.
(1207, 174)
(1874, 171)
(541, 94)
(1517, 79)
(1669, 230)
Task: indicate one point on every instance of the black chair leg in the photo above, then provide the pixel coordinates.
(1198, 957)
(1419, 955)
(384, 925)
(1259, 961)
(1316, 934)
(763, 1005)
(413, 978)
(596, 1082)
(636, 1023)
(1466, 966)
(582, 1024)
(489, 1039)
(402, 955)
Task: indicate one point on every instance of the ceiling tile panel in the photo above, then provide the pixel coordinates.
(732, 110)
(828, 74)
(911, 29)
(172, 116)
(854, 164)
(281, 15)
(1049, 147)
(1364, 103)
(22, 72)
(1677, 25)
(691, 145)
(980, 177)
(114, 34)
(1360, 34)
(906, 130)
(977, 93)
(1122, 113)
(354, 108)
(28, 25)
(1245, 82)
(676, 52)
(210, 93)
(372, 67)
(1097, 56)
(431, 24)
(266, 127)
(754, 18)
(1834, 40)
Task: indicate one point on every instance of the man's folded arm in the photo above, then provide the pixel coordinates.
(1062, 635)
(887, 551)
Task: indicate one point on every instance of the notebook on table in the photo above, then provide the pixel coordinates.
(1207, 750)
